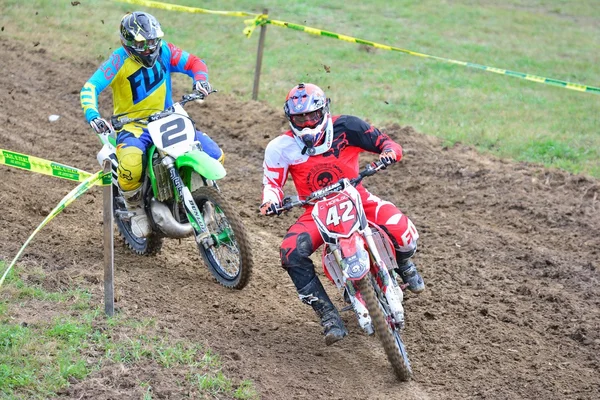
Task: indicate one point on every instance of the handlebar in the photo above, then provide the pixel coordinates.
(290, 202)
(120, 120)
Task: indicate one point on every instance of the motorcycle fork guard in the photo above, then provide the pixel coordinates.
(194, 215)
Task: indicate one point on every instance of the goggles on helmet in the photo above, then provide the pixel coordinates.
(143, 45)
(307, 120)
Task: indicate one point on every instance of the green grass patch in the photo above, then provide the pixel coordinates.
(39, 358)
(496, 113)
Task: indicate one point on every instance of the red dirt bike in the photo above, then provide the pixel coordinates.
(360, 260)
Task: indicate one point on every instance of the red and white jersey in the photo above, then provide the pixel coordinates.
(351, 136)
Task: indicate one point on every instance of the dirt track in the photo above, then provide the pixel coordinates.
(510, 253)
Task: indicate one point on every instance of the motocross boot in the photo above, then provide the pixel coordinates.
(409, 274)
(140, 225)
(333, 327)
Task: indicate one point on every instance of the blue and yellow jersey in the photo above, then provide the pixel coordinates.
(137, 90)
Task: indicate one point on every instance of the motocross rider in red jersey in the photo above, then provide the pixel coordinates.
(317, 151)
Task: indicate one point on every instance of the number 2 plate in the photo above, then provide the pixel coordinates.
(173, 134)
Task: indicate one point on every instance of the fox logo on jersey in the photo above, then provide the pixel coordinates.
(144, 81)
(339, 143)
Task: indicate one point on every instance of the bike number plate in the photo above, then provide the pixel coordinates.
(173, 134)
(337, 215)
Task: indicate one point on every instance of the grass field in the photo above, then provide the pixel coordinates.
(39, 358)
(509, 117)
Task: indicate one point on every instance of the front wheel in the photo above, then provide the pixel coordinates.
(229, 258)
(388, 334)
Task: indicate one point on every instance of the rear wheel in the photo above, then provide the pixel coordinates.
(229, 258)
(143, 246)
(388, 334)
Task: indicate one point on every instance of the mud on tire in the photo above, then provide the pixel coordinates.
(230, 263)
(389, 338)
(143, 246)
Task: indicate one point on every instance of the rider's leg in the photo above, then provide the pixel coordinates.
(314, 294)
(298, 244)
(403, 234)
(131, 154)
(210, 147)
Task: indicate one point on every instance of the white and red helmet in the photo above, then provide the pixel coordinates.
(307, 109)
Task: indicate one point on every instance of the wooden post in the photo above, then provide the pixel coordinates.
(259, 55)
(109, 254)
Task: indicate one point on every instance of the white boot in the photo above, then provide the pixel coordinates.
(140, 225)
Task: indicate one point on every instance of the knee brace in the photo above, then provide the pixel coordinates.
(130, 168)
(297, 262)
(402, 256)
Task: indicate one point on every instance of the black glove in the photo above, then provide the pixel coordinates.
(269, 208)
(203, 87)
(100, 125)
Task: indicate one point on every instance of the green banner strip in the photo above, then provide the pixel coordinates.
(68, 199)
(42, 166)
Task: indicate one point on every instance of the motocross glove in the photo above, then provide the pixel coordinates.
(100, 125)
(388, 157)
(269, 208)
(203, 87)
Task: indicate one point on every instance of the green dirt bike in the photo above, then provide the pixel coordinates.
(181, 195)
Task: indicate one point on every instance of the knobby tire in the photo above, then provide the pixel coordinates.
(209, 194)
(383, 329)
(148, 246)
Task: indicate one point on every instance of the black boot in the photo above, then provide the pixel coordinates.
(408, 272)
(333, 327)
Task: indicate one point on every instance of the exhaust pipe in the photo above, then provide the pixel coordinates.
(163, 218)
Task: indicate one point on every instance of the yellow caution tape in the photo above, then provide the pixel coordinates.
(90, 181)
(534, 78)
(195, 10)
(261, 19)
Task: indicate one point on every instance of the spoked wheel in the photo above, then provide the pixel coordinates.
(229, 258)
(144, 246)
(388, 334)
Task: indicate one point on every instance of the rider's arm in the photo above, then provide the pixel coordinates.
(364, 135)
(275, 173)
(98, 82)
(186, 63)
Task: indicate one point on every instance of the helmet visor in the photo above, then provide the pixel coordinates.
(144, 46)
(307, 120)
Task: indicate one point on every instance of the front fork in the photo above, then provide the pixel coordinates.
(341, 279)
(391, 289)
(201, 233)
(389, 286)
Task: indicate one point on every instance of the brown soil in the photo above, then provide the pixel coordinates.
(509, 251)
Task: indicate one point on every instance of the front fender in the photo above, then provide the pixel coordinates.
(356, 262)
(202, 163)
